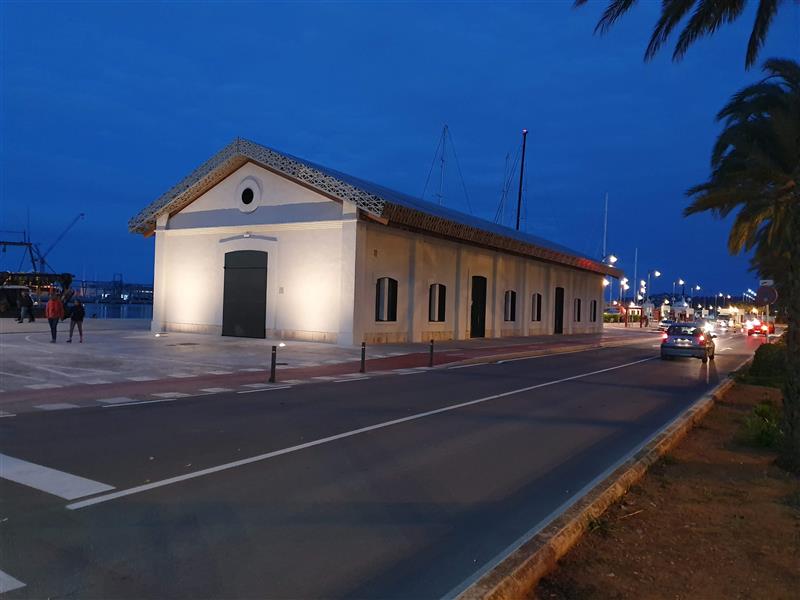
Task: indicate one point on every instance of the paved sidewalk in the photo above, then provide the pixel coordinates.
(120, 367)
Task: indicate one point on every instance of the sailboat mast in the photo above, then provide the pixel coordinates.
(521, 175)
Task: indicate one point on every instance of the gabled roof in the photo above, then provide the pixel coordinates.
(387, 205)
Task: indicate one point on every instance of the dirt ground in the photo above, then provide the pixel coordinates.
(713, 519)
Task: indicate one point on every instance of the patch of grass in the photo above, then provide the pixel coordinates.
(600, 526)
(793, 500)
(762, 427)
(669, 459)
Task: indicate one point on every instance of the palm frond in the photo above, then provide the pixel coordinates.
(764, 15)
(706, 19)
(672, 12)
(614, 10)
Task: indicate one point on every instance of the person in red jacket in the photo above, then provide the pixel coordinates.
(54, 311)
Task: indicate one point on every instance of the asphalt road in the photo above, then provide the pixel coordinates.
(389, 487)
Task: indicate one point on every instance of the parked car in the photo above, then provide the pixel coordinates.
(687, 339)
(665, 324)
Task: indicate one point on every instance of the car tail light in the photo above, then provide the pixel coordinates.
(664, 336)
(701, 338)
(764, 328)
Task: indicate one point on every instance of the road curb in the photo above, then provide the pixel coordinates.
(519, 572)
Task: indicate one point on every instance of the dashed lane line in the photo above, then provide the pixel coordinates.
(56, 406)
(116, 400)
(267, 389)
(326, 440)
(142, 378)
(51, 481)
(43, 386)
(8, 583)
(215, 390)
(170, 395)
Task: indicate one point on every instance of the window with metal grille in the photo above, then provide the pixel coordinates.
(510, 306)
(386, 299)
(536, 307)
(437, 298)
(577, 309)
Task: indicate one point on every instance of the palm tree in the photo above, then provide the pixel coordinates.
(705, 19)
(756, 170)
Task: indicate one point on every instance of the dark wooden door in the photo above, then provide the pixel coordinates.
(244, 299)
(477, 326)
(559, 314)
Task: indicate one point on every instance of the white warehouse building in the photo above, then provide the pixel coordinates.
(257, 243)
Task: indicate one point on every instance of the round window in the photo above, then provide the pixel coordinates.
(248, 195)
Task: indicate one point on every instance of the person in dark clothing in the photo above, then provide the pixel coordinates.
(76, 316)
(26, 307)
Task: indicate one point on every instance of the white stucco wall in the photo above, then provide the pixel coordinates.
(304, 268)
(416, 261)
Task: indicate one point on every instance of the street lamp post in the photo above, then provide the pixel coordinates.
(609, 259)
(655, 273)
(679, 282)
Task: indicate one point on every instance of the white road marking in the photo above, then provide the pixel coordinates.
(56, 406)
(331, 438)
(252, 370)
(20, 376)
(323, 378)
(293, 381)
(351, 379)
(43, 386)
(49, 480)
(117, 400)
(256, 385)
(142, 378)
(180, 375)
(268, 389)
(170, 395)
(219, 372)
(4, 414)
(8, 583)
(468, 366)
(215, 390)
(96, 382)
(135, 402)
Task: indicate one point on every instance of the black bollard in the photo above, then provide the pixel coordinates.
(363, 368)
(430, 358)
(272, 364)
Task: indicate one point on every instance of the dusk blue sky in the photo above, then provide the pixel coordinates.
(105, 106)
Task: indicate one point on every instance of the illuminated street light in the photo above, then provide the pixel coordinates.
(606, 282)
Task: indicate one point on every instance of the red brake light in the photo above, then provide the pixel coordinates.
(764, 328)
(701, 337)
(664, 336)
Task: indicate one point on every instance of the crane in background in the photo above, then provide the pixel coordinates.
(38, 258)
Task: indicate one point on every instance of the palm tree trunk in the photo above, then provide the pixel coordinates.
(790, 454)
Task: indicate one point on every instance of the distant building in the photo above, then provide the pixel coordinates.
(258, 243)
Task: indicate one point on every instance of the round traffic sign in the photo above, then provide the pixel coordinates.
(766, 295)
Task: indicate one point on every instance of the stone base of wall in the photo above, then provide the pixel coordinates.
(386, 337)
(328, 337)
(439, 336)
(193, 328)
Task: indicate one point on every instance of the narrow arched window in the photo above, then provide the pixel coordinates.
(536, 307)
(437, 299)
(510, 306)
(386, 299)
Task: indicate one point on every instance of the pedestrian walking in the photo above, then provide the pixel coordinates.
(54, 311)
(76, 318)
(26, 307)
